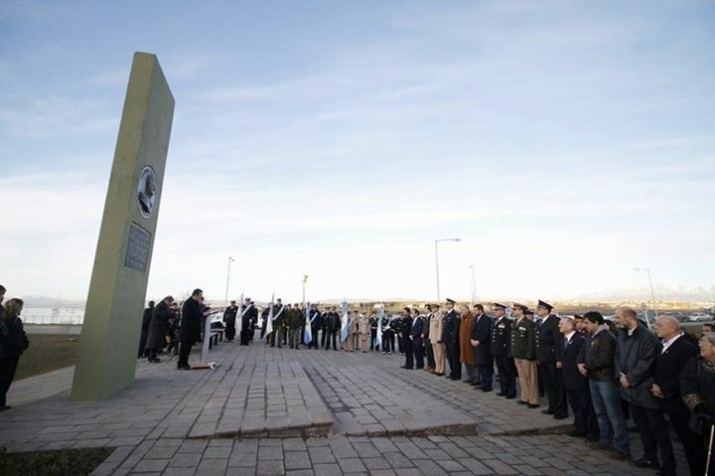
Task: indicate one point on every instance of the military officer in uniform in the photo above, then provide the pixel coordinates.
(229, 318)
(363, 330)
(276, 338)
(435, 336)
(316, 323)
(450, 338)
(523, 350)
(548, 337)
(501, 340)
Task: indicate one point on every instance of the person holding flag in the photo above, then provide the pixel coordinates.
(277, 323)
(268, 323)
(308, 331)
(315, 322)
(344, 322)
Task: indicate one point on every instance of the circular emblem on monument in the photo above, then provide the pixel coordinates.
(147, 191)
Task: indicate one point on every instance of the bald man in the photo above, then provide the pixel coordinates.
(676, 351)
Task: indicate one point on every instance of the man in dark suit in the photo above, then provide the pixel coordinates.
(190, 330)
(450, 338)
(575, 383)
(416, 332)
(676, 351)
(481, 341)
(501, 340)
(548, 338)
(406, 332)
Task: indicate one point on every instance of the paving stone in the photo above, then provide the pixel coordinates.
(297, 460)
(151, 465)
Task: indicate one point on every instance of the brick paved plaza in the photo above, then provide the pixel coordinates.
(299, 412)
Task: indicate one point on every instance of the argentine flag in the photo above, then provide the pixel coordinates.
(380, 315)
(308, 334)
(344, 322)
(269, 320)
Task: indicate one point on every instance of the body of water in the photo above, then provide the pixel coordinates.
(49, 315)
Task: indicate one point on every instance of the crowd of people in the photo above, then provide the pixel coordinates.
(606, 371)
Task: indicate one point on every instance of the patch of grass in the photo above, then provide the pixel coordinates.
(53, 463)
(47, 353)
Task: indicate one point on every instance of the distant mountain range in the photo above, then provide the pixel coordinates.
(44, 301)
(662, 294)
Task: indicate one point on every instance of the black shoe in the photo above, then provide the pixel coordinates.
(548, 411)
(510, 397)
(576, 434)
(500, 394)
(560, 417)
(184, 367)
(646, 463)
(522, 402)
(486, 389)
(533, 405)
(4, 408)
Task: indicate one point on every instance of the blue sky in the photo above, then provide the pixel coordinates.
(564, 143)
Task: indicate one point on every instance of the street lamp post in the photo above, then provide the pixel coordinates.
(652, 293)
(305, 279)
(436, 259)
(474, 286)
(228, 278)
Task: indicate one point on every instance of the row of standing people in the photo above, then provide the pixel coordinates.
(573, 362)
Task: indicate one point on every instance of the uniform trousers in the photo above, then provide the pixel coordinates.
(553, 387)
(455, 366)
(314, 333)
(527, 380)
(353, 341)
(295, 337)
(364, 342)
(388, 341)
(429, 353)
(230, 329)
(438, 352)
(331, 339)
(278, 333)
(507, 375)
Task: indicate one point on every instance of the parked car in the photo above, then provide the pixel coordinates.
(700, 317)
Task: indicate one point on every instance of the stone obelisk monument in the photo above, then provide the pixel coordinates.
(112, 318)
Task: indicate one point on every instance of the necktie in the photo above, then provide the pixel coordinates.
(566, 342)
